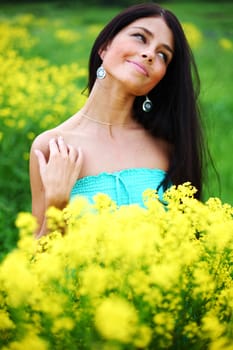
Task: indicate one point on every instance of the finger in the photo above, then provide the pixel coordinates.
(53, 147)
(41, 160)
(73, 153)
(79, 162)
(62, 146)
(80, 157)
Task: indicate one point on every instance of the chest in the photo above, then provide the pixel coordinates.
(130, 150)
(122, 150)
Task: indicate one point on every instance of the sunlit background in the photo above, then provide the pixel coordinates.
(44, 48)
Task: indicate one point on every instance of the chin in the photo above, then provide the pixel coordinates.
(135, 89)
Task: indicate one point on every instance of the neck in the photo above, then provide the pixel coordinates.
(108, 106)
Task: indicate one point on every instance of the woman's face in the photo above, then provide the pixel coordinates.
(138, 56)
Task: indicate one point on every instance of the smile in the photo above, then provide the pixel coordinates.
(139, 67)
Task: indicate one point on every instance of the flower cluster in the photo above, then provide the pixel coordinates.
(35, 94)
(158, 277)
(33, 89)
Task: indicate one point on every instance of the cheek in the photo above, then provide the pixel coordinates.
(113, 61)
(118, 52)
(111, 58)
(160, 73)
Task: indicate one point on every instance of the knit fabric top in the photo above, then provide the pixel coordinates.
(124, 187)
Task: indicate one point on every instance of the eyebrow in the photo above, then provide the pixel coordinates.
(147, 31)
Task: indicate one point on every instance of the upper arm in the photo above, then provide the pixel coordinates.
(37, 189)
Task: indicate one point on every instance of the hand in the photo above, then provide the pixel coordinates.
(60, 172)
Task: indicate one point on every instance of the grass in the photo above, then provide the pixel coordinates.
(29, 110)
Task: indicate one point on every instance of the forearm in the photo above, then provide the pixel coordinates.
(53, 176)
(43, 227)
(58, 201)
(42, 230)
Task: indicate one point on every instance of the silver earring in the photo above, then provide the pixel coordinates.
(101, 73)
(147, 105)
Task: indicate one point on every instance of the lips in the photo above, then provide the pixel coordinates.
(139, 67)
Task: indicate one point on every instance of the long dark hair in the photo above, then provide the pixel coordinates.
(175, 115)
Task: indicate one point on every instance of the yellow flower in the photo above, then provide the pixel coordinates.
(26, 156)
(143, 337)
(67, 36)
(164, 320)
(55, 219)
(5, 321)
(12, 35)
(94, 29)
(192, 330)
(123, 275)
(26, 223)
(222, 343)
(17, 279)
(94, 280)
(31, 135)
(30, 341)
(164, 325)
(226, 44)
(25, 19)
(193, 34)
(116, 319)
(212, 326)
(103, 202)
(62, 324)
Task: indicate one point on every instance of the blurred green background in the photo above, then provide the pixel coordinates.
(44, 49)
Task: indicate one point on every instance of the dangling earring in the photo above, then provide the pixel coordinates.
(101, 73)
(147, 105)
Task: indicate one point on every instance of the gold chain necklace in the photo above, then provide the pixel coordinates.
(100, 121)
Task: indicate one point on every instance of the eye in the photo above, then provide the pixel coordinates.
(163, 56)
(140, 37)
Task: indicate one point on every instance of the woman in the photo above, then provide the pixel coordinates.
(138, 129)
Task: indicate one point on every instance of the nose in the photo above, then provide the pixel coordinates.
(148, 56)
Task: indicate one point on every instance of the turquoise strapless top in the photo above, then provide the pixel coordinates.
(124, 187)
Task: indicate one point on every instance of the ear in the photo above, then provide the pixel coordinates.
(101, 53)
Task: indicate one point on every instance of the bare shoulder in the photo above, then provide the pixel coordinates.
(41, 141)
(165, 147)
(162, 152)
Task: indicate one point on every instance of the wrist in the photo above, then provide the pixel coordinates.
(60, 203)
